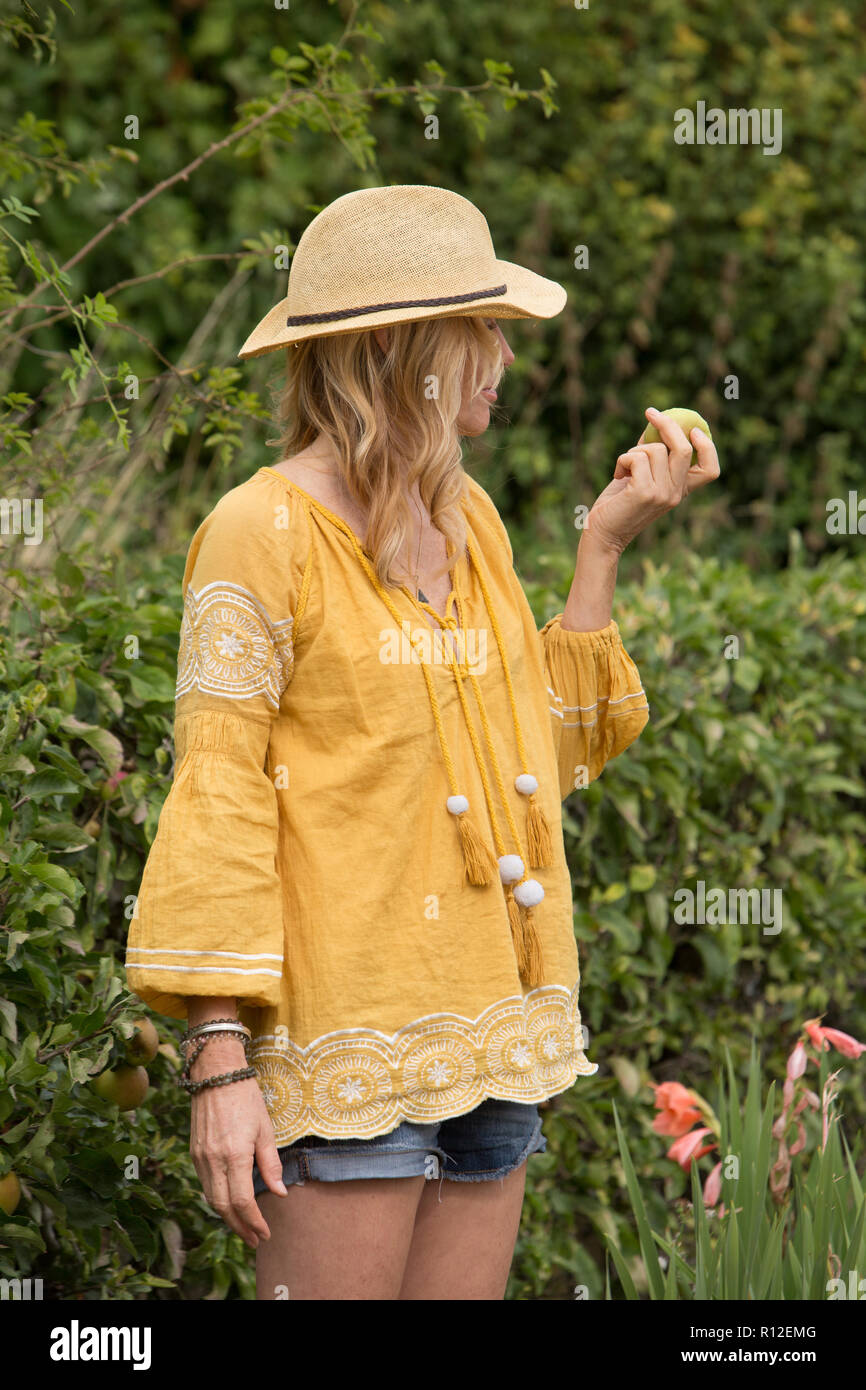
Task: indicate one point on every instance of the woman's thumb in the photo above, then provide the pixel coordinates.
(270, 1167)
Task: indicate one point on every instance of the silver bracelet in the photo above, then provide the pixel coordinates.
(202, 1030)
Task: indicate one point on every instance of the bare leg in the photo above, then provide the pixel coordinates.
(463, 1246)
(338, 1240)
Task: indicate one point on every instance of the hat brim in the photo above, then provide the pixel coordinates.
(527, 296)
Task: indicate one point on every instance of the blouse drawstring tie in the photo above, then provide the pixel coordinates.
(522, 893)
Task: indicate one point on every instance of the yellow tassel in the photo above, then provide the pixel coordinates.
(534, 973)
(538, 836)
(524, 936)
(479, 862)
(517, 935)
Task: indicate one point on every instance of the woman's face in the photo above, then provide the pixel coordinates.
(474, 414)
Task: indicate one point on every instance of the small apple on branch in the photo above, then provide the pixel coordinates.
(127, 1085)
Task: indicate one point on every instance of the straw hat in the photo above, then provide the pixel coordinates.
(393, 255)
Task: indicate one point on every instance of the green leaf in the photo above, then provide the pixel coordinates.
(747, 674)
(68, 573)
(8, 1020)
(49, 782)
(622, 1270)
(106, 744)
(26, 1069)
(19, 1234)
(150, 683)
(65, 836)
(647, 1245)
(641, 877)
(55, 877)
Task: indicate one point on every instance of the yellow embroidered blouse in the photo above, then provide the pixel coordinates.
(312, 857)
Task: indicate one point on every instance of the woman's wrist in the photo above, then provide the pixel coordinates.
(208, 1008)
(589, 607)
(214, 1053)
(220, 1054)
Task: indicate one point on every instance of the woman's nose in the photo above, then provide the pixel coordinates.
(507, 354)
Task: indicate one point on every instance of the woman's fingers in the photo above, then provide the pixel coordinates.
(677, 443)
(244, 1208)
(626, 463)
(658, 459)
(638, 463)
(221, 1177)
(707, 468)
(215, 1185)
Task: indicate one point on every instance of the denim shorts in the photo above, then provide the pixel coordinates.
(486, 1143)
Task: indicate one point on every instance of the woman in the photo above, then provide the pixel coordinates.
(358, 894)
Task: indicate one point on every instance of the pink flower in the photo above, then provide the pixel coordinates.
(797, 1062)
(713, 1186)
(844, 1043)
(677, 1109)
(824, 1038)
(813, 1028)
(800, 1142)
(780, 1172)
(685, 1149)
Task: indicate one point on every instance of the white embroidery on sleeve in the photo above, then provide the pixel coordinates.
(229, 645)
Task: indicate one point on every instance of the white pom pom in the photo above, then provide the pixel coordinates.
(510, 868)
(529, 894)
(457, 805)
(526, 783)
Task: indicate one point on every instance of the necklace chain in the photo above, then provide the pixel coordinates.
(418, 558)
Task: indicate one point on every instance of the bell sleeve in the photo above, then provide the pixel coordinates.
(208, 918)
(597, 703)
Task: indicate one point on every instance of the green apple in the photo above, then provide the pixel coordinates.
(686, 419)
(10, 1193)
(127, 1086)
(144, 1043)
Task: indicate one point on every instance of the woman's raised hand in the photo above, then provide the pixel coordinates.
(649, 480)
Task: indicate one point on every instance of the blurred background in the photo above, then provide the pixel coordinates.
(154, 160)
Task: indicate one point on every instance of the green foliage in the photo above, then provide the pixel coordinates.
(706, 262)
(113, 1207)
(743, 778)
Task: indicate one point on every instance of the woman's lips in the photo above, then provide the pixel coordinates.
(488, 393)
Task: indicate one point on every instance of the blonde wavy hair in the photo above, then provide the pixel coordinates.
(391, 417)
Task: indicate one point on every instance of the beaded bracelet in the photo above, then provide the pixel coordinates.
(191, 1056)
(243, 1075)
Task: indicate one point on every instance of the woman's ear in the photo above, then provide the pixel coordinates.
(383, 337)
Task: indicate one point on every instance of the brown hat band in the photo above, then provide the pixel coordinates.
(395, 304)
